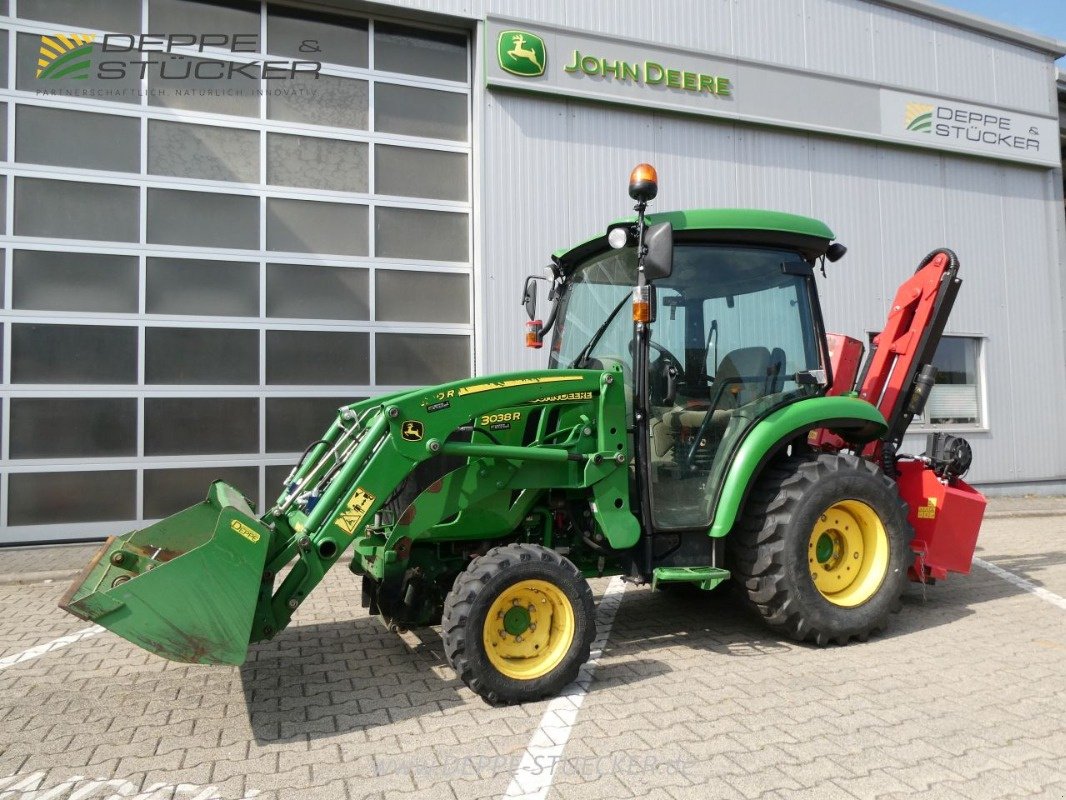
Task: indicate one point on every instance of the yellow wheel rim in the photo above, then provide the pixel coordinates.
(528, 630)
(848, 553)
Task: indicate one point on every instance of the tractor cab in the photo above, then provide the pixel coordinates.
(725, 329)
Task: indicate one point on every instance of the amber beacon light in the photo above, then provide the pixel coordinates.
(643, 183)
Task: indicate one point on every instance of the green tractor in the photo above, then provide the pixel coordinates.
(695, 423)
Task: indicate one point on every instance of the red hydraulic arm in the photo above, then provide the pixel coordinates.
(898, 377)
(898, 373)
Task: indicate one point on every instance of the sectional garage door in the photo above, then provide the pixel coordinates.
(199, 270)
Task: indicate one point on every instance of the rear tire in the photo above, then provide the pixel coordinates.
(823, 549)
(518, 624)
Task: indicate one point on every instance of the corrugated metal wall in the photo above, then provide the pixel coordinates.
(854, 38)
(554, 173)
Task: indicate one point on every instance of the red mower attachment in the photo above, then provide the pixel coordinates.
(946, 516)
(897, 377)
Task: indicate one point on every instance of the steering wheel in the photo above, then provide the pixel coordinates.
(665, 374)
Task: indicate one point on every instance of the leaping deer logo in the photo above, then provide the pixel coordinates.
(521, 53)
(518, 51)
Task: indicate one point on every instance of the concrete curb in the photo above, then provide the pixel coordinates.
(38, 577)
(1025, 514)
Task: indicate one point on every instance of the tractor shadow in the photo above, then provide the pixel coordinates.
(323, 680)
(1025, 565)
(720, 622)
(318, 681)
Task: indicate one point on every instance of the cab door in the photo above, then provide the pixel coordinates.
(733, 327)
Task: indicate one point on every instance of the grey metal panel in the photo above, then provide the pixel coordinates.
(1035, 356)
(963, 64)
(773, 170)
(526, 200)
(697, 159)
(844, 178)
(470, 9)
(800, 98)
(682, 22)
(904, 49)
(770, 30)
(912, 212)
(1019, 80)
(839, 35)
(976, 231)
(703, 25)
(549, 12)
(938, 10)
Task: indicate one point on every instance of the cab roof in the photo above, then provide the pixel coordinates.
(809, 236)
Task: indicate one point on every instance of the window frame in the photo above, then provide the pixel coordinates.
(921, 423)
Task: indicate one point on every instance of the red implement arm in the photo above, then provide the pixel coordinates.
(898, 377)
(898, 373)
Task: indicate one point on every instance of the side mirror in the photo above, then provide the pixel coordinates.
(529, 296)
(835, 252)
(659, 261)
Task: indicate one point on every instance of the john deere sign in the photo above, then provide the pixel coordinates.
(546, 59)
(569, 64)
(648, 73)
(521, 53)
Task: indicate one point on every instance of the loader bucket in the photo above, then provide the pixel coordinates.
(185, 588)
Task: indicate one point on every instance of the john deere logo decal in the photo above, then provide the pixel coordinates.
(65, 55)
(919, 117)
(521, 53)
(412, 431)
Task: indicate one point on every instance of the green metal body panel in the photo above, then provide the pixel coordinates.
(723, 219)
(184, 588)
(781, 426)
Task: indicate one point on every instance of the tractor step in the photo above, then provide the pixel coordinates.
(705, 577)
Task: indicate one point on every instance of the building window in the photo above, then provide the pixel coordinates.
(956, 399)
(197, 280)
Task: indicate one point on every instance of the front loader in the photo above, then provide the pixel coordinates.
(695, 423)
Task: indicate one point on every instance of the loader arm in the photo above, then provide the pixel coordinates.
(225, 564)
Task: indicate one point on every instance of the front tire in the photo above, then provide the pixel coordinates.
(518, 624)
(822, 551)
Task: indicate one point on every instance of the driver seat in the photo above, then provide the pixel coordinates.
(744, 375)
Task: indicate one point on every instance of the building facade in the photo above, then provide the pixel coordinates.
(225, 219)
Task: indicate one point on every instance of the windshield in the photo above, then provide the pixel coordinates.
(595, 300)
(718, 299)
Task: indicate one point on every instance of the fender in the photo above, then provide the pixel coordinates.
(768, 436)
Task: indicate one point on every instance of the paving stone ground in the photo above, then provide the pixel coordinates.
(964, 697)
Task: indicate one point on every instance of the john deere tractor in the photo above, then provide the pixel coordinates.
(695, 423)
